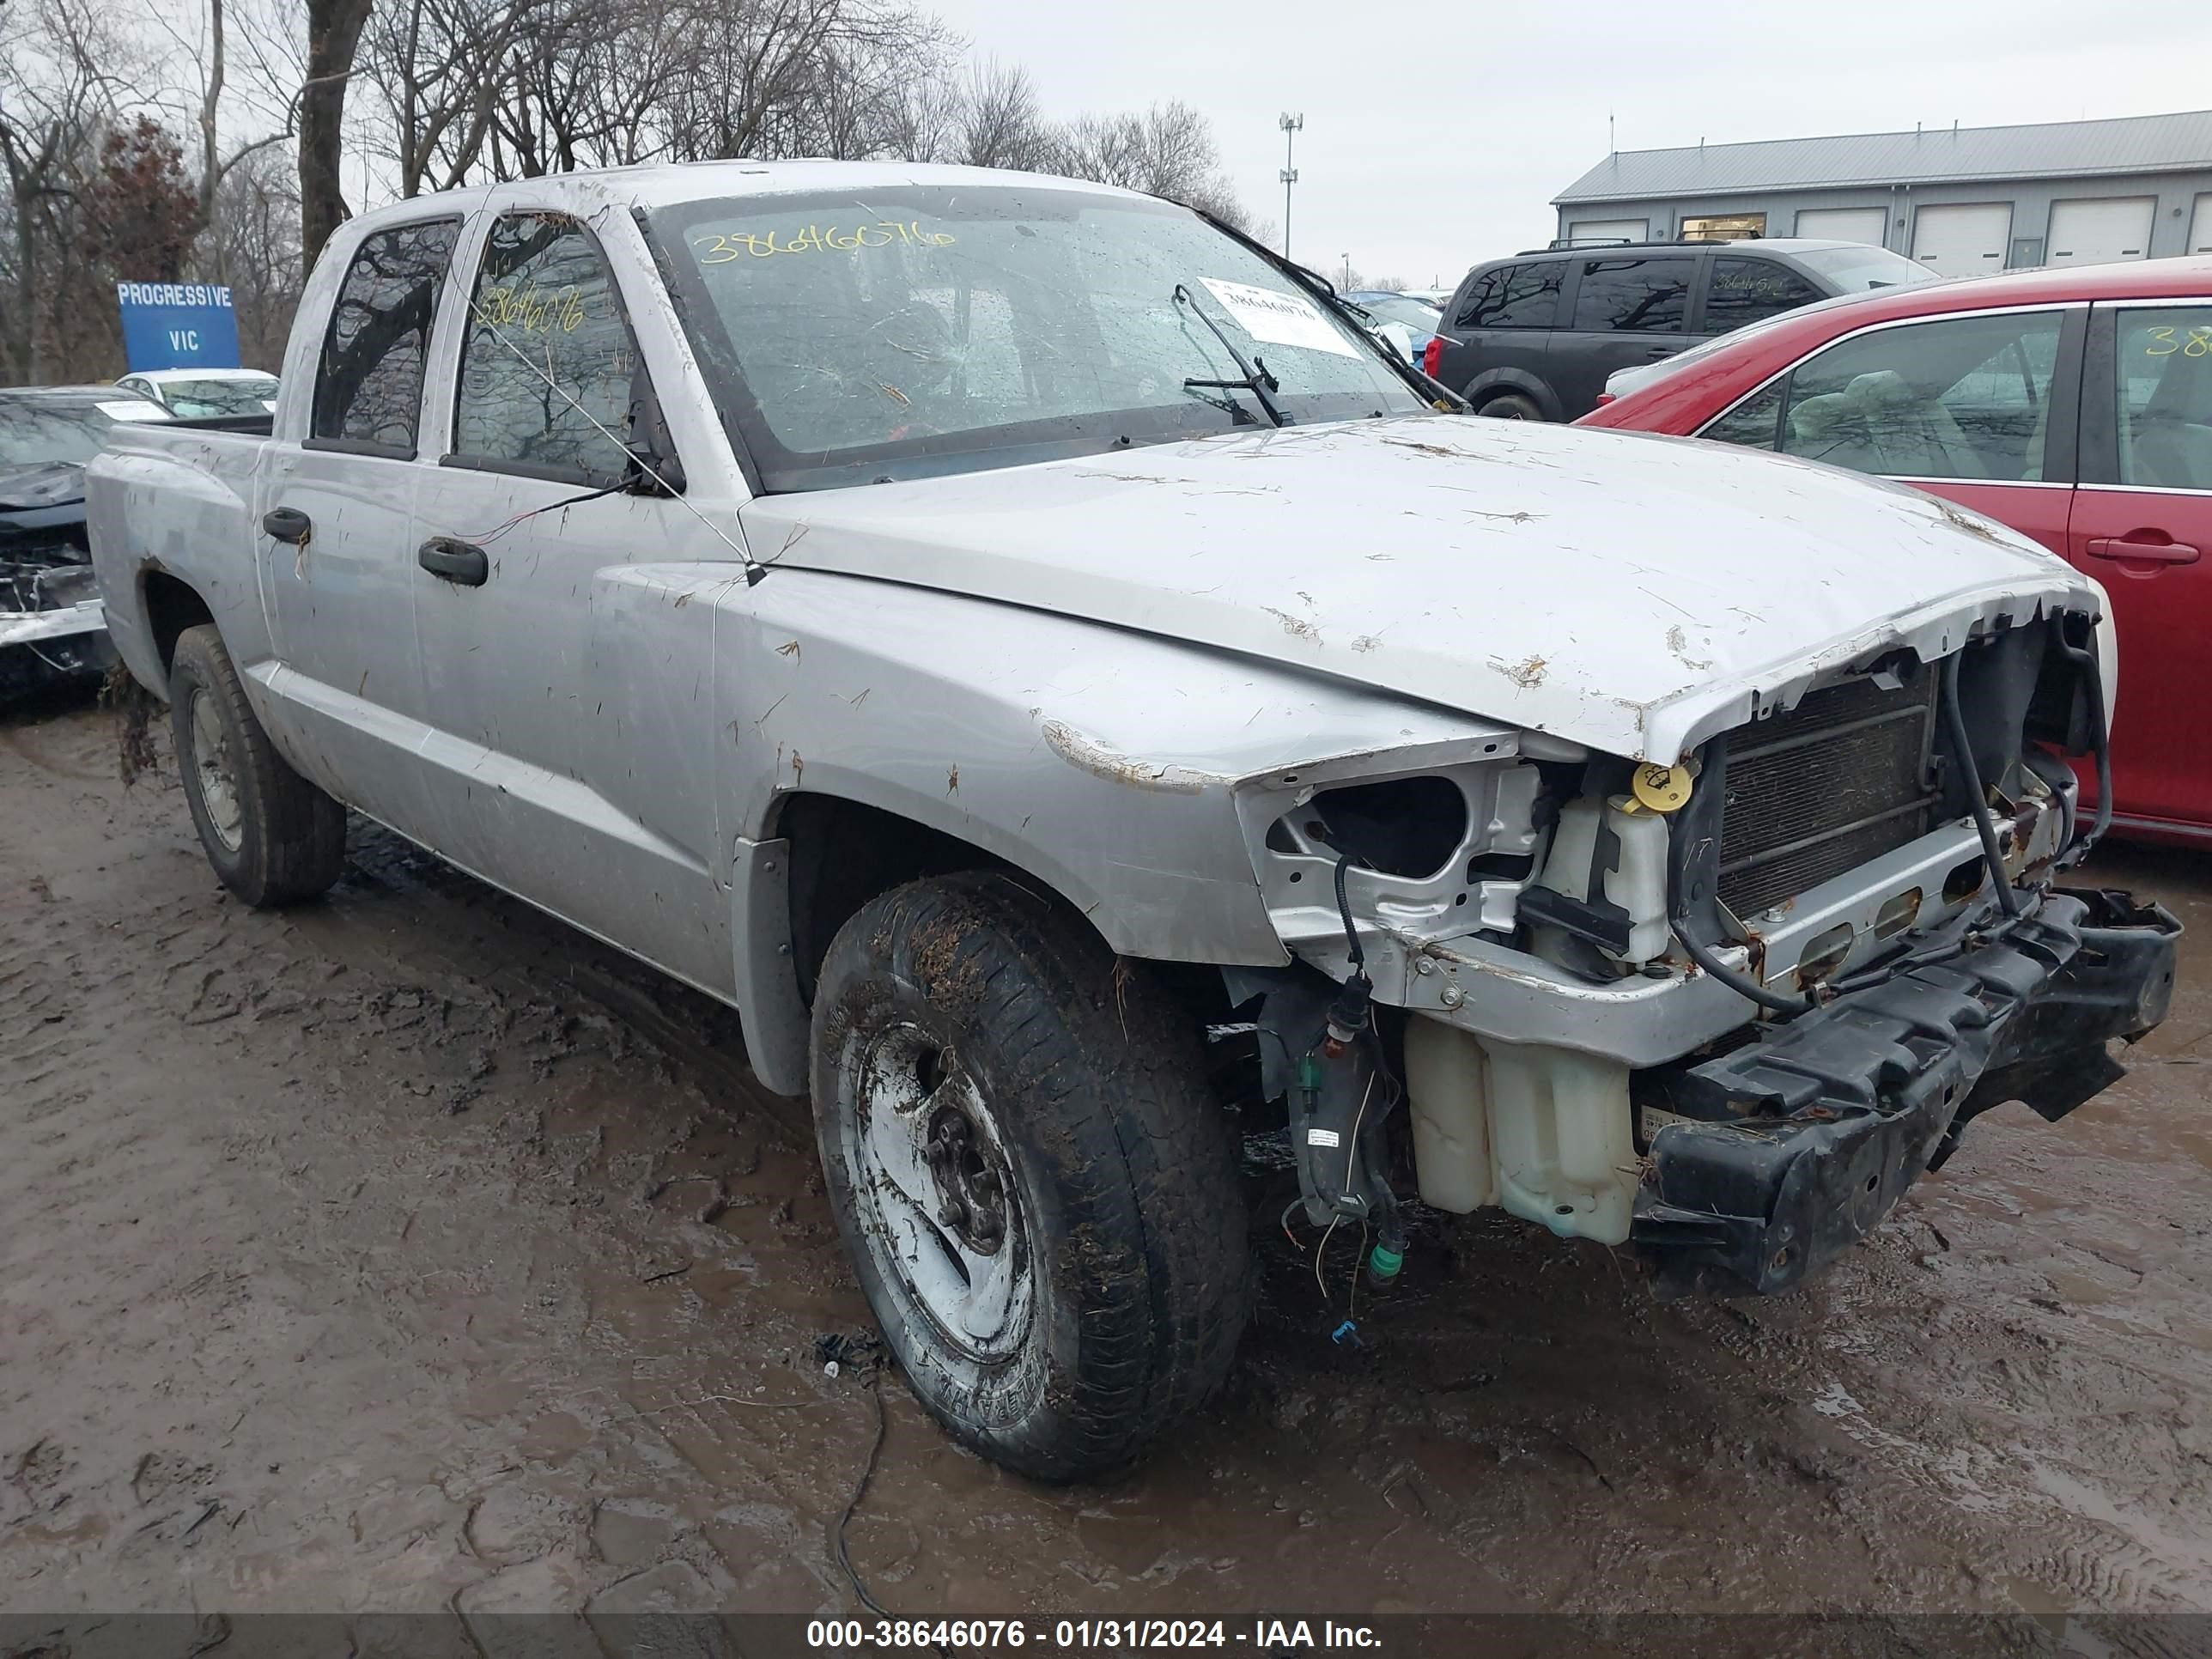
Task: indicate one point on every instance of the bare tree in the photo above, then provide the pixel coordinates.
(1167, 151)
(66, 69)
(251, 244)
(334, 29)
(999, 124)
(467, 91)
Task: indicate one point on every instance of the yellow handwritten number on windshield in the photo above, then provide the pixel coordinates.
(816, 238)
(2197, 344)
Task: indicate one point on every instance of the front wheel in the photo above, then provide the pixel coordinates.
(1040, 1195)
(272, 836)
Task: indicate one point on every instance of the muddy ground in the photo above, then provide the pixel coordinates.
(408, 1251)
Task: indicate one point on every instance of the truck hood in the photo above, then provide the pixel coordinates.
(1631, 593)
(37, 485)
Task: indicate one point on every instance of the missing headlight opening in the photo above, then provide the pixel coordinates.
(1408, 827)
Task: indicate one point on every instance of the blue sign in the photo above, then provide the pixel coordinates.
(177, 325)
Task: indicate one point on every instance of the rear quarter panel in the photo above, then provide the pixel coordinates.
(181, 503)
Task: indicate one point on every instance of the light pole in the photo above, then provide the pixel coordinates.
(1292, 126)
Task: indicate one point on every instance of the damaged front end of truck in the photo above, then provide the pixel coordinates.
(1724, 1009)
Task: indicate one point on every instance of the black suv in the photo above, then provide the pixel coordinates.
(1533, 337)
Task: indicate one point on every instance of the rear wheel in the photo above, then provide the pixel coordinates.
(272, 836)
(1039, 1195)
(1511, 406)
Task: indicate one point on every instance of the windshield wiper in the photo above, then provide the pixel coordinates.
(1257, 381)
(1228, 406)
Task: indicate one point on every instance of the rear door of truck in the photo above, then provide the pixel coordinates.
(336, 509)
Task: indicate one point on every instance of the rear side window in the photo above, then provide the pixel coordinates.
(2166, 397)
(368, 387)
(1636, 296)
(1514, 296)
(548, 369)
(1750, 291)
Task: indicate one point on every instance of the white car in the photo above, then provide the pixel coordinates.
(196, 393)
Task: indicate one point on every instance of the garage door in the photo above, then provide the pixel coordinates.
(2200, 225)
(1609, 230)
(1962, 240)
(2092, 233)
(1866, 225)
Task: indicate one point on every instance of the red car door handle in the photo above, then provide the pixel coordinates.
(2144, 551)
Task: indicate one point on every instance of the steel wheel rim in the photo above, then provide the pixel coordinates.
(215, 778)
(935, 1194)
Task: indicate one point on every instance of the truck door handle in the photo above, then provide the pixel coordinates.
(287, 524)
(2139, 546)
(456, 561)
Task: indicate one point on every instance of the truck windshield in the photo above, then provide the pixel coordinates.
(928, 329)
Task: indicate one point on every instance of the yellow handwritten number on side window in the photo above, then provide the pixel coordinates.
(2197, 343)
(816, 238)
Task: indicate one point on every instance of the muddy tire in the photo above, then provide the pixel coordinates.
(271, 835)
(1040, 1195)
(1511, 406)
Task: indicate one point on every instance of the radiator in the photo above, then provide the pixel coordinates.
(1842, 778)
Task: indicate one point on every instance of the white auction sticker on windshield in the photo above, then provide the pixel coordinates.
(133, 410)
(1278, 318)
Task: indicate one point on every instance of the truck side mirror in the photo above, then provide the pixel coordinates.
(655, 468)
(653, 472)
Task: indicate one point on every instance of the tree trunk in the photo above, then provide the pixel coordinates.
(333, 34)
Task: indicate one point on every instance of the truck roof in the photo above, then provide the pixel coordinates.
(663, 183)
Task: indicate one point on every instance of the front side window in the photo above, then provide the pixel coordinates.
(1953, 398)
(1747, 290)
(1515, 296)
(368, 386)
(548, 366)
(930, 328)
(1636, 295)
(2165, 358)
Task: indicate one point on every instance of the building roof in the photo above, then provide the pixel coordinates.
(2049, 150)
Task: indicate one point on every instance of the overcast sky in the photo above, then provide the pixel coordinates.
(1437, 133)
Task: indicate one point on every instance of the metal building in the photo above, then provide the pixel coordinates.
(1960, 200)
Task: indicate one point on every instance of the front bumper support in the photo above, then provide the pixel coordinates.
(1806, 1139)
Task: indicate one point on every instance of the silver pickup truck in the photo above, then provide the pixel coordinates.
(1081, 698)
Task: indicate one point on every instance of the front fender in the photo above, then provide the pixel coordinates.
(1099, 760)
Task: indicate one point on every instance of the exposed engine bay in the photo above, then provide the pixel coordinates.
(1727, 1010)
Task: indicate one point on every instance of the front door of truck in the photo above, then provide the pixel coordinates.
(343, 689)
(565, 672)
(2143, 525)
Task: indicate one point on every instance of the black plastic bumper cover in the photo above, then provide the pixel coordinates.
(1810, 1136)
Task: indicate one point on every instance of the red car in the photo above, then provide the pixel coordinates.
(2075, 405)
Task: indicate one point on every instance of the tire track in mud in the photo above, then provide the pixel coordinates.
(483, 1237)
